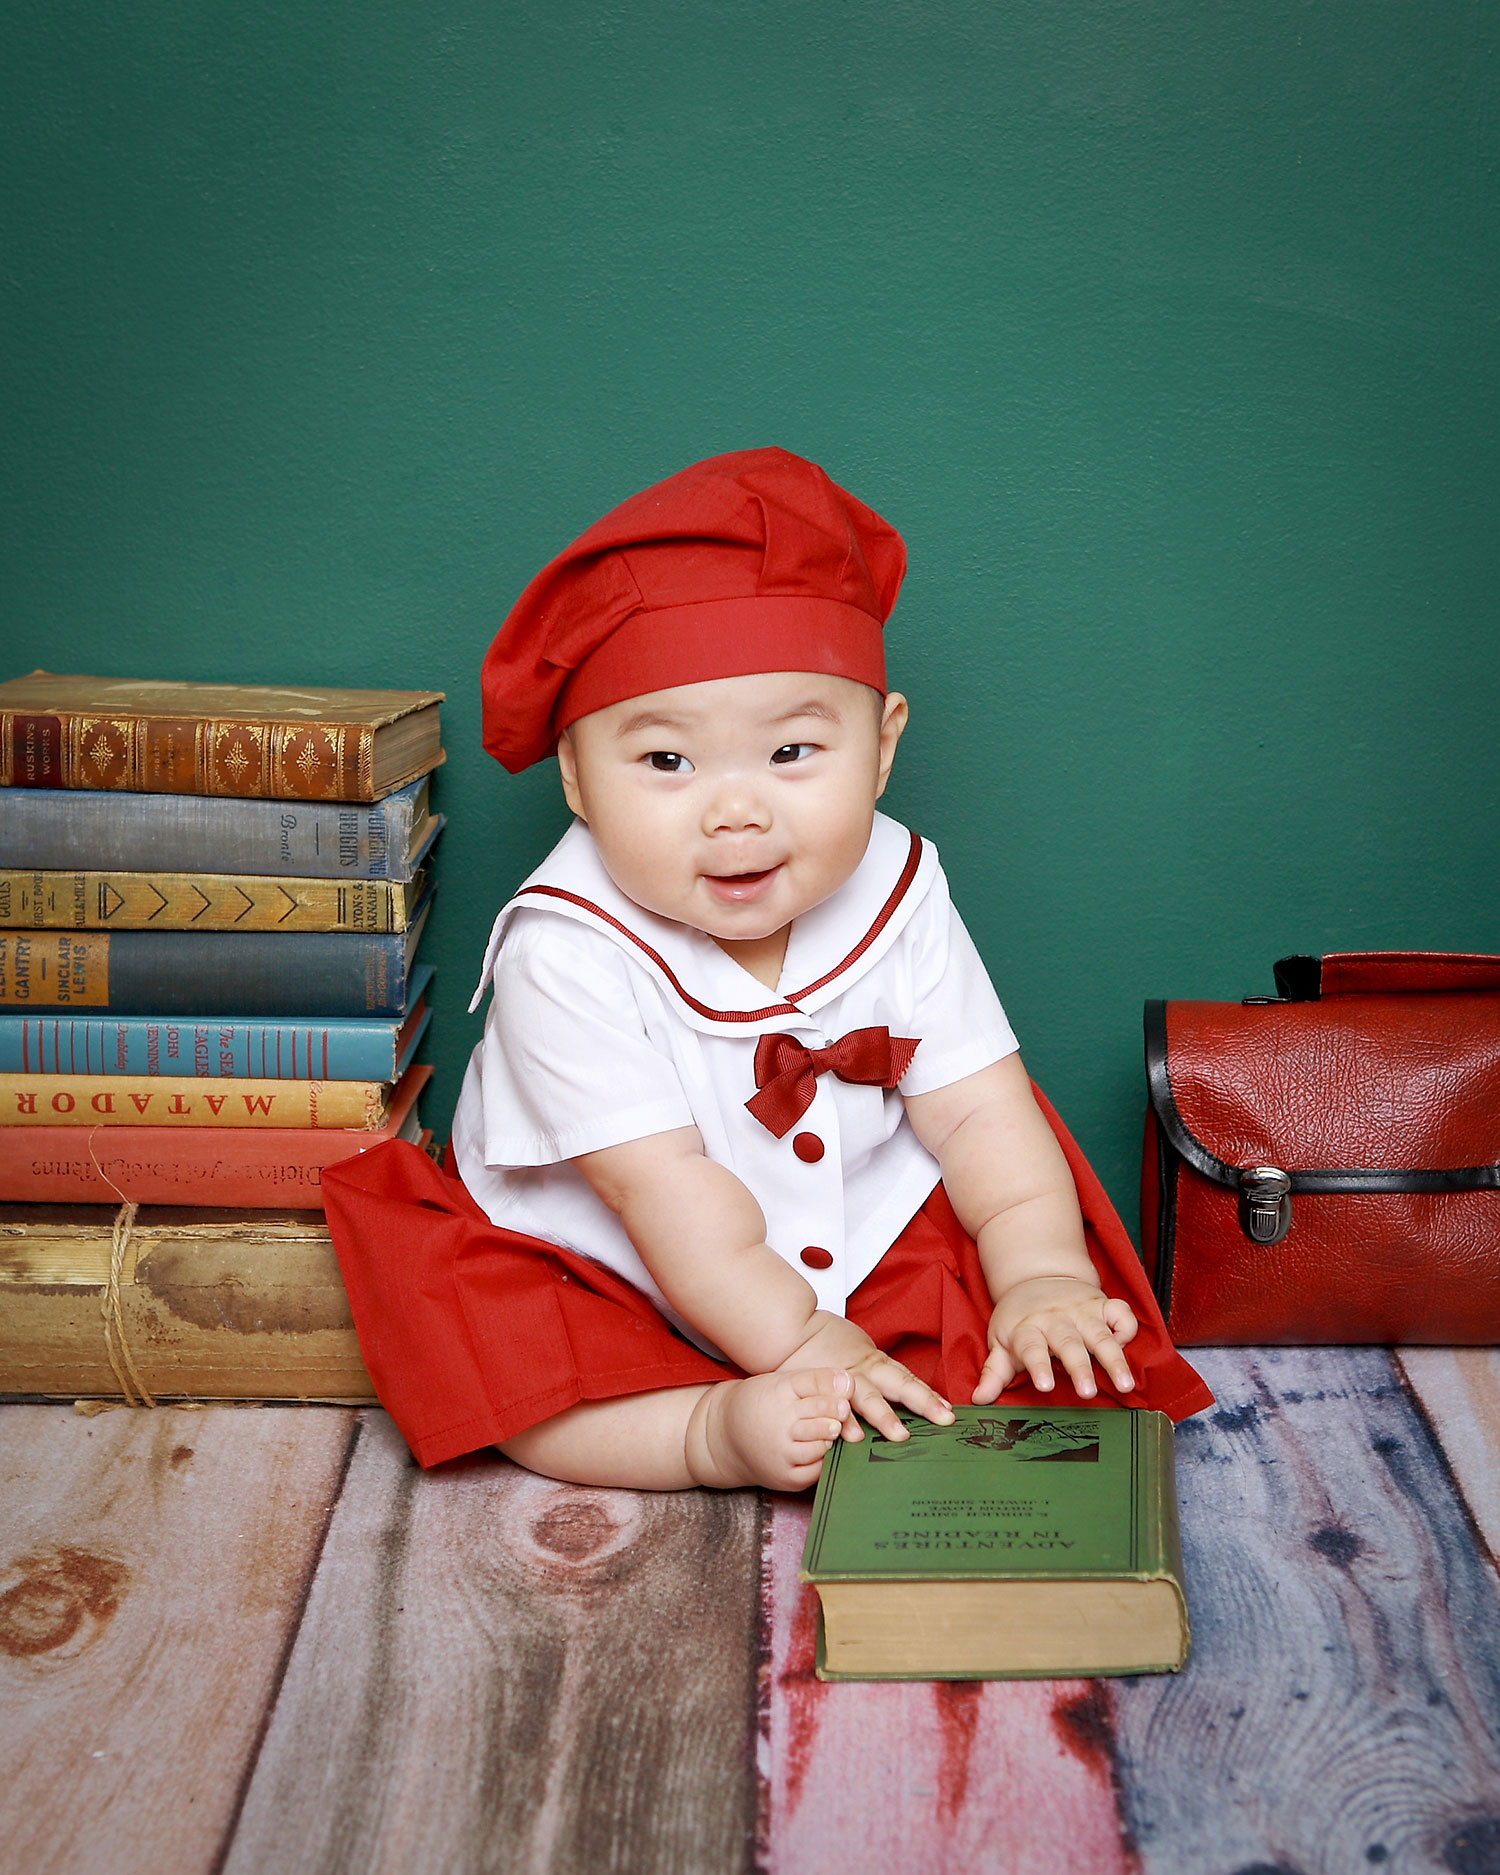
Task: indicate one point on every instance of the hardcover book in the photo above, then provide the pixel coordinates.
(202, 901)
(43, 830)
(192, 1165)
(252, 740)
(171, 1101)
(215, 1304)
(245, 973)
(1019, 1542)
(347, 1048)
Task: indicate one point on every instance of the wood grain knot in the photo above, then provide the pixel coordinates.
(574, 1527)
(1474, 1849)
(1085, 1724)
(1340, 1547)
(58, 1594)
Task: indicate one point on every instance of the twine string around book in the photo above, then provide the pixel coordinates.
(116, 1341)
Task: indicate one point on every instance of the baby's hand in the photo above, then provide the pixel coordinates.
(876, 1378)
(1056, 1315)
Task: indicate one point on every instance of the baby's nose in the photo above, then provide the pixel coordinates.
(735, 807)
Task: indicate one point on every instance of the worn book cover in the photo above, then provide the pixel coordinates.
(202, 901)
(213, 1304)
(1018, 1542)
(258, 740)
(348, 1048)
(261, 1168)
(233, 973)
(175, 1100)
(44, 830)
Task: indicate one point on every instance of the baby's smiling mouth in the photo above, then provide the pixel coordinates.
(740, 886)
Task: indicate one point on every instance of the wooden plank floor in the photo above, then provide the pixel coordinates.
(260, 1640)
(1342, 1710)
(498, 1672)
(928, 1777)
(152, 1572)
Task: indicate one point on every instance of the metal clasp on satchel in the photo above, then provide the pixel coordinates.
(1265, 1203)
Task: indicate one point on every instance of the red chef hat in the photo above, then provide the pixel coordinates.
(750, 562)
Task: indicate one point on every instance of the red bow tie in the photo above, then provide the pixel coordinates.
(786, 1073)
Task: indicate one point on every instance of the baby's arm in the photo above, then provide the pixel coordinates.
(1011, 1188)
(702, 1235)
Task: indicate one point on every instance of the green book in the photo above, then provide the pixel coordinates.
(1017, 1543)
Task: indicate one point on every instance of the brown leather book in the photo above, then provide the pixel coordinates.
(251, 740)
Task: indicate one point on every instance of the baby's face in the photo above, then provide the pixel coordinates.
(736, 805)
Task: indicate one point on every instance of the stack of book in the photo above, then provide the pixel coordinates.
(211, 899)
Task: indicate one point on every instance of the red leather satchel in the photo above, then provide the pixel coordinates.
(1321, 1165)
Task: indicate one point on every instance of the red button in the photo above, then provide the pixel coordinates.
(809, 1147)
(817, 1259)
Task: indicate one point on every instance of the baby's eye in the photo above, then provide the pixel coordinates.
(668, 762)
(794, 751)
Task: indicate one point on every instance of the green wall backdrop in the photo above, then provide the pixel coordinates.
(1164, 330)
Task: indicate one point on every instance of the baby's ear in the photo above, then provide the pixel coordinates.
(567, 768)
(893, 719)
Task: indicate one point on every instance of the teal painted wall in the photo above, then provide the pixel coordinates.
(1166, 333)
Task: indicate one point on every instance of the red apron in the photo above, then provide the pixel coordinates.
(471, 1332)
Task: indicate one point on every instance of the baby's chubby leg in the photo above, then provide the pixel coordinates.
(768, 1429)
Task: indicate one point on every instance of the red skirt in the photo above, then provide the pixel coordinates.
(471, 1333)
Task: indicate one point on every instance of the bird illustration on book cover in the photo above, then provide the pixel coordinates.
(1046, 1440)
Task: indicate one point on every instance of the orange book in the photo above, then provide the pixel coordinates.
(251, 740)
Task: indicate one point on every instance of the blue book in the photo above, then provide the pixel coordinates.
(211, 973)
(81, 830)
(344, 1049)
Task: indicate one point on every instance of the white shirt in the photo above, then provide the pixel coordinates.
(609, 1023)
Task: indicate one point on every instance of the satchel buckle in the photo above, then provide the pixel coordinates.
(1265, 1203)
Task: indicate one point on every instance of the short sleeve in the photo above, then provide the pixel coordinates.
(958, 1019)
(566, 1064)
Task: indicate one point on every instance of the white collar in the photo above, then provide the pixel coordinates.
(829, 947)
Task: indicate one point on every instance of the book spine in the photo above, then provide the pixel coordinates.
(144, 1100)
(167, 973)
(266, 1051)
(1161, 1546)
(280, 1168)
(42, 830)
(188, 755)
(347, 1050)
(61, 1165)
(231, 1309)
(197, 901)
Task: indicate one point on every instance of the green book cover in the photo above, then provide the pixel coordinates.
(1020, 1541)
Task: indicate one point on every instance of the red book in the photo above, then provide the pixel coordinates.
(271, 1168)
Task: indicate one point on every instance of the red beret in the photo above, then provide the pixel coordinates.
(749, 562)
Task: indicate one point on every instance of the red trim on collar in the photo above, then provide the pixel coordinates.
(883, 918)
(788, 1008)
(717, 1015)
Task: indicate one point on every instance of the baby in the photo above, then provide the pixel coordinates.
(748, 1156)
